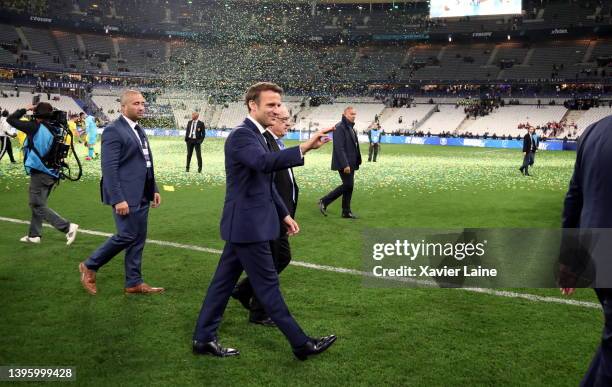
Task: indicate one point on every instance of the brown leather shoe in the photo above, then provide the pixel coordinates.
(143, 288)
(88, 279)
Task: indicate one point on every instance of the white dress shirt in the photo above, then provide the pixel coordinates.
(288, 170)
(145, 149)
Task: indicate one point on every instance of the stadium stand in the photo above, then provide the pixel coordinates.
(591, 116)
(447, 118)
(404, 119)
(124, 43)
(60, 102)
(505, 120)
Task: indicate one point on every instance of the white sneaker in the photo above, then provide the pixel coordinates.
(71, 234)
(27, 239)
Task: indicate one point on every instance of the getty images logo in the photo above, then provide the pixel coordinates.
(413, 250)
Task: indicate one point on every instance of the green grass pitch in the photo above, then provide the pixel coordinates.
(394, 336)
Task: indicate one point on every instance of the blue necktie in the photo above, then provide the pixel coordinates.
(280, 143)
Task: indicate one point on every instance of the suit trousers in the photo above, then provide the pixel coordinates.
(198, 151)
(345, 190)
(528, 161)
(281, 254)
(600, 370)
(256, 259)
(41, 185)
(131, 236)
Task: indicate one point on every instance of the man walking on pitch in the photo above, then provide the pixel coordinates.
(43, 176)
(128, 185)
(530, 146)
(251, 218)
(284, 182)
(346, 159)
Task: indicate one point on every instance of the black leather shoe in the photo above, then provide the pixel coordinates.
(266, 322)
(522, 171)
(242, 298)
(322, 207)
(314, 347)
(349, 215)
(213, 348)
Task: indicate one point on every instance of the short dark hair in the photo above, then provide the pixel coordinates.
(43, 110)
(253, 92)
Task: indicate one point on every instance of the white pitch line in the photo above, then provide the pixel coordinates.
(342, 270)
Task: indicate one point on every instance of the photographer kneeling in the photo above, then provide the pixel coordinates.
(38, 144)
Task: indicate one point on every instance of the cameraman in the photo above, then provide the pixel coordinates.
(39, 140)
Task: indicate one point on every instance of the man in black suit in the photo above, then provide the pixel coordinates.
(530, 146)
(587, 206)
(346, 159)
(253, 214)
(284, 181)
(194, 136)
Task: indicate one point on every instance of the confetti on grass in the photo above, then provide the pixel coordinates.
(400, 168)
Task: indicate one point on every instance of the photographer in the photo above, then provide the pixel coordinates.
(39, 141)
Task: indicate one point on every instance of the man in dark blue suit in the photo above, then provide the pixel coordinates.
(128, 185)
(530, 147)
(346, 159)
(251, 218)
(588, 206)
(287, 188)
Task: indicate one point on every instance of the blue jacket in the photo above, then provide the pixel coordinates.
(39, 136)
(253, 208)
(124, 170)
(346, 151)
(587, 203)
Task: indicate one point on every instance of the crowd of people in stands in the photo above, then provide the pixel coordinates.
(480, 108)
(554, 129)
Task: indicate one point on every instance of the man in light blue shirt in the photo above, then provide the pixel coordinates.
(374, 136)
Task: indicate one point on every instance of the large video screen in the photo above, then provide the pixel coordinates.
(457, 8)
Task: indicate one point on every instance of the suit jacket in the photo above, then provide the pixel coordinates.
(587, 203)
(527, 145)
(346, 151)
(124, 170)
(200, 132)
(283, 182)
(253, 208)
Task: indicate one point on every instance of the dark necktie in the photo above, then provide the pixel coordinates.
(145, 149)
(272, 145)
(276, 145)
